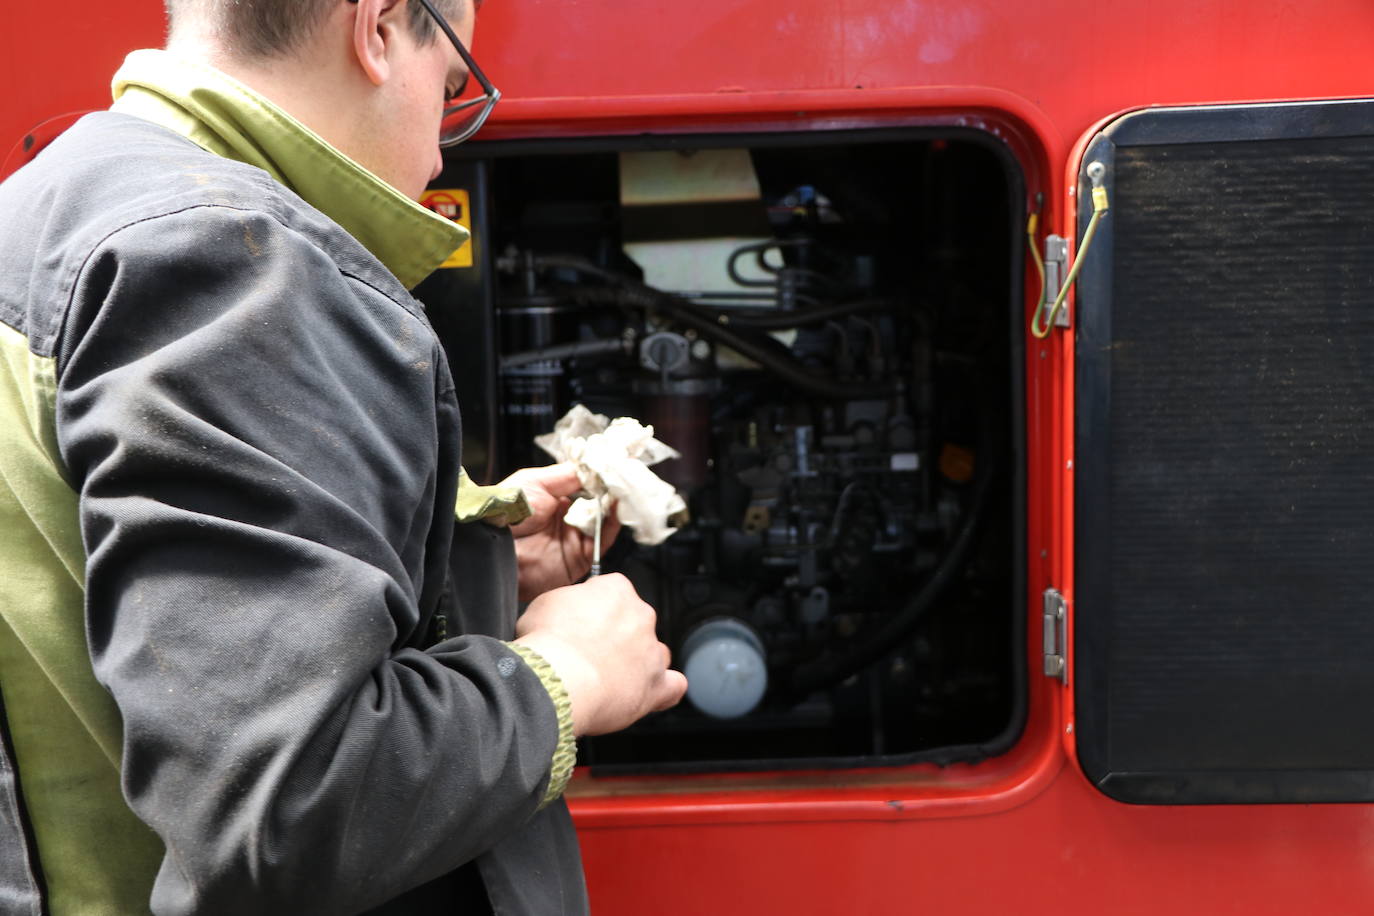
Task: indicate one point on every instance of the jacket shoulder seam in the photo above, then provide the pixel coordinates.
(67, 295)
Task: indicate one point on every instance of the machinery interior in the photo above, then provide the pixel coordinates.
(826, 327)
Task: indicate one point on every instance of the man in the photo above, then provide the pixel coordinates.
(230, 433)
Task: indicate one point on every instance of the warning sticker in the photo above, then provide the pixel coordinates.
(452, 203)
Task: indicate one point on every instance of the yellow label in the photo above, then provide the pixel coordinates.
(452, 203)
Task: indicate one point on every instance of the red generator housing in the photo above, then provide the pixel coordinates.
(1072, 622)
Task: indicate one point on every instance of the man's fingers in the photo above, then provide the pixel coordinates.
(558, 479)
(671, 689)
(610, 628)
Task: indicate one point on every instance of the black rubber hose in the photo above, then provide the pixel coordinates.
(564, 351)
(583, 266)
(758, 250)
(760, 351)
(634, 294)
(778, 320)
(822, 672)
(774, 320)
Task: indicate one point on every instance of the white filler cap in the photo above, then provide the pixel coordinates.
(725, 668)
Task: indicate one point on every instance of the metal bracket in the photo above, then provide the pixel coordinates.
(1056, 636)
(1056, 268)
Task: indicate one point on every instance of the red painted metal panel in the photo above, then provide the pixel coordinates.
(1066, 851)
(1022, 833)
(560, 61)
(58, 60)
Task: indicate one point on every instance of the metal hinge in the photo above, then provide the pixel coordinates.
(1056, 636)
(1056, 267)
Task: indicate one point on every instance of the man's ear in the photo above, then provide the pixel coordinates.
(373, 32)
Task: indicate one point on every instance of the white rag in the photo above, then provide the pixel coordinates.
(613, 459)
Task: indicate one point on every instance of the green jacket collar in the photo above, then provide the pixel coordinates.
(227, 118)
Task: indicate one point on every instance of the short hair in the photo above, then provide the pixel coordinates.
(269, 28)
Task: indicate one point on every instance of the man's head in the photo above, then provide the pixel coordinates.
(370, 76)
(265, 28)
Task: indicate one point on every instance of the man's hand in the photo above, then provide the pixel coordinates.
(599, 636)
(548, 552)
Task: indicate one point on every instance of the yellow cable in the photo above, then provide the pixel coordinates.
(1032, 225)
(1099, 208)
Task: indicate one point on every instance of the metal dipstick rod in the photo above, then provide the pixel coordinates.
(596, 543)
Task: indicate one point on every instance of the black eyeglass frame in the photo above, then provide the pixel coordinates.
(490, 94)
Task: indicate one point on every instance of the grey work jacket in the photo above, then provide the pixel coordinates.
(261, 435)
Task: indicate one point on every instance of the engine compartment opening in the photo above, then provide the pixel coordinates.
(826, 327)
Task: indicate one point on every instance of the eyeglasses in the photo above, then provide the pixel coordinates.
(466, 117)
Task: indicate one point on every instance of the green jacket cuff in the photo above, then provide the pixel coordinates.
(495, 505)
(565, 754)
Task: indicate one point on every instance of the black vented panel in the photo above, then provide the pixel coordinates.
(1225, 591)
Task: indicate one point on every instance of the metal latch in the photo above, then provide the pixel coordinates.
(1056, 636)
(1056, 266)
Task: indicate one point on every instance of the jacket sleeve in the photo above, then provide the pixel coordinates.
(253, 433)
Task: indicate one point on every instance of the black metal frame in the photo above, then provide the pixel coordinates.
(1093, 509)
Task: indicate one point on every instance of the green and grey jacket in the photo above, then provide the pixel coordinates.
(229, 457)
